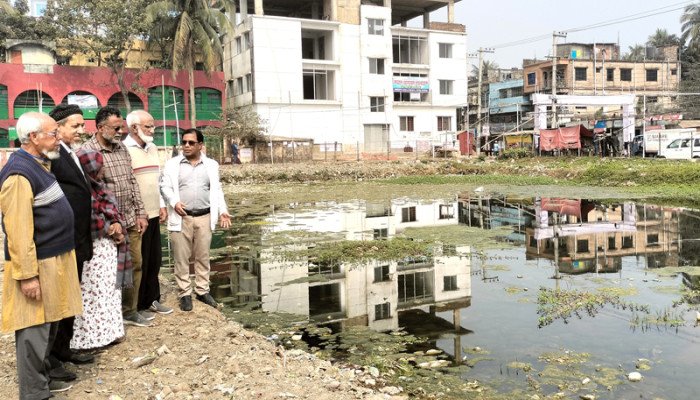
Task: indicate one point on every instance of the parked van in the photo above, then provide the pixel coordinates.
(682, 149)
(654, 140)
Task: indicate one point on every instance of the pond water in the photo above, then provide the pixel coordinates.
(534, 295)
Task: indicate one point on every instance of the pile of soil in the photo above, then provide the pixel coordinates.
(202, 355)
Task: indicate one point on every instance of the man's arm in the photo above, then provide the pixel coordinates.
(16, 201)
(224, 217)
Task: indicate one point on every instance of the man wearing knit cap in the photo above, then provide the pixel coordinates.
(146, 165)
(71, 178)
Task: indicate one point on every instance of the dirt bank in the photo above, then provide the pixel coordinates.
(202, 355)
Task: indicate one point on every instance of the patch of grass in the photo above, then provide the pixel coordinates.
(358, 252)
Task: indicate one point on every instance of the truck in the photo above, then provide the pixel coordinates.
(682, 149)
(653, 140)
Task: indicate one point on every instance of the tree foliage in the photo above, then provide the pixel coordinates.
(22, 7)
(690, 26)
(193, 29)
(106, 31)
(242, 124)
(17, 25)
(661, 38)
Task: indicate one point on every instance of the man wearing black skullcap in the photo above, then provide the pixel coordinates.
(71, 178)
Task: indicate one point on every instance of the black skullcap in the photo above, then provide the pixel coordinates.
(63, 111)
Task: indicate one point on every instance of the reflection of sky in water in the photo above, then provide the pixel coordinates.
(618, 239)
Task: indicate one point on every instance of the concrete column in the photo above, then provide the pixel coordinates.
(259, 7)
(426, 20)
(330, 10)
(243, 9)
(387, 3)
(451, 12)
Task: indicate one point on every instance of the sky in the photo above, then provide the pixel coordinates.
(497, 22)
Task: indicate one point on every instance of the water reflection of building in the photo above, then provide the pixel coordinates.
(583, 235)
(373, 293)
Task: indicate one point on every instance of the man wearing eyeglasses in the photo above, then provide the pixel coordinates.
(40, 284)
(192, 191)
(146, 166)
(120, 180)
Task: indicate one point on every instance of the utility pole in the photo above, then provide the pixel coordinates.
(478, 111)
(555, 35)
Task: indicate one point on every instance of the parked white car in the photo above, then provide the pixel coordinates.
(682, 149)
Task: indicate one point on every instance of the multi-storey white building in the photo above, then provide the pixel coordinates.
(349, 72)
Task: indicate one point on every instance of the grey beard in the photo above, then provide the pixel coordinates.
(51, 154)
(146, 139)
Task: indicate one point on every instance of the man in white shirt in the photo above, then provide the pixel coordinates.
(191, 188)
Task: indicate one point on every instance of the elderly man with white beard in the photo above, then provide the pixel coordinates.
(146, 165)
(40, 284)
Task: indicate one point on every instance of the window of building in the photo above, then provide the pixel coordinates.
(674, 71)
(516, 91)
(323, 268)
(531, 78)
(239, 45)
(414, 286)
(376, 104)
(408, 214)
(611, 243)
(318, 84)
(627, 242)
(446, 87)
(381, 273)
(381, 233)
(446, 211)
(582, 245)
(403, 96)
(581, 73)
(652, 99)
(652, 239)
(376, 66)
(652, 75)
(246, 40)
(382, 311)
(375, 26)
(445, 50)
(444, 123)
(611, 74)
(313, 44)
(239, 86)
(406, 124)
(248, 82)
(626, 74)
(409, 50)
(449, 283)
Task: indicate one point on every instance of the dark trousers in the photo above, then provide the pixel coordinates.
(152, 258)
(64, 333)
(32, 347)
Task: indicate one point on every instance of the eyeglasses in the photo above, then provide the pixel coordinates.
(189, 142)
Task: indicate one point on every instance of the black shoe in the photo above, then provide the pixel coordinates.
(61, 374)
(208, 300)
(77, 358)
(186, 303)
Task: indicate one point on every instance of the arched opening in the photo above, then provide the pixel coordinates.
(170, 138)
(4, 104)
(117, 101)
(87, 102)
(4, 138)
(207, 104)
(33, 100)
(174, 104)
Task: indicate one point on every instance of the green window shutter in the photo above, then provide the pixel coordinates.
(4, 105)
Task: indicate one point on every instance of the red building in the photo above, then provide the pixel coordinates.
(31, 87)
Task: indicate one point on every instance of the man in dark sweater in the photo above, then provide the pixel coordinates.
(71, 179)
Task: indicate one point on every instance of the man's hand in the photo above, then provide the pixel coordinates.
(142, 224)
(225, 220)
(180, 209)
(163, 215)
(31, 288)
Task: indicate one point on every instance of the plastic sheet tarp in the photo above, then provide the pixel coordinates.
(562, 138)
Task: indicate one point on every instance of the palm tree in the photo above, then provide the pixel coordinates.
(194, 27)
(662, 38)
(690, 25)
(487, 67)
(635, 53)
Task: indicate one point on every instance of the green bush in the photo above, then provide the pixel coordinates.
(515, 152)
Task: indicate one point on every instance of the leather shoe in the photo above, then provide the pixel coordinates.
(61, 374)
(208, 300)
(186, 303)
(78, 358)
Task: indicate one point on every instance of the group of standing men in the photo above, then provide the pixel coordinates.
(46, 205)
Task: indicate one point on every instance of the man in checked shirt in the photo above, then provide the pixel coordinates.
(120, 179)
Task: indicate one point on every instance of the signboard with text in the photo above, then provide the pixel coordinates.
(409, 84)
